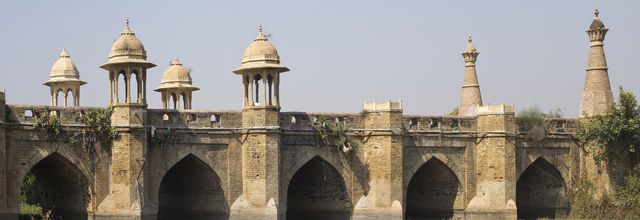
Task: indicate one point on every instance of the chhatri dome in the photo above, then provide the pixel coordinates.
(127, 49)
(176, 87)
(260, 54)
(176, 76)
(64, 70)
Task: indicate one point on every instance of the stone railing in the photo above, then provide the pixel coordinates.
(439, 123)
(194, 119)
(304, 120)
(26, 114)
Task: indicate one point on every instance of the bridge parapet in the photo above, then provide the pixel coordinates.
(305, 120)
(26, 114)
(194, 118)
(439, 123)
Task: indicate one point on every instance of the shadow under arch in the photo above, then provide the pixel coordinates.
(55, 182)
(191, 190)
(318, 191)
(432, 191)
(541, 192)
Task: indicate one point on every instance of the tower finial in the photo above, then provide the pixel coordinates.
(469, 38)
(126, 22)
(64, 53)
(261, 36)
(597, 12)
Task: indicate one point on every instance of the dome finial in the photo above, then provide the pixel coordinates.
(469, 38)
(64, 53)
(261, 36)
(176, 61)
(127, 29)
(597, 12)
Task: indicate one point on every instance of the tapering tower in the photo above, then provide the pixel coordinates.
(64, 81)
(470, 98)
(127, 66)
(260, 71)
(596, 96)
(176, 85)
(127, 62)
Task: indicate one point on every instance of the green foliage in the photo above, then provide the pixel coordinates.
(99, 123)
(454, 112)
(616, 132)
(629, 192)
(531, 121)
(333, 133)
(30, 211)
(47, 122)
(26, 187)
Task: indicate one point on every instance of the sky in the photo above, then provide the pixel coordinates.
(341, 53)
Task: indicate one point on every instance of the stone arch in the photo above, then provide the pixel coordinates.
(432, 191)
(318, 190)
(60, 97)
(122, 82)
(192, 189)
(70, 97)
(541, 191)
(304, 159)
(58, 184)
(531, 158)
(424, 159)
(134, 85)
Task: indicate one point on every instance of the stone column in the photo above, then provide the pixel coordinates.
(383, 153)
(495, 165)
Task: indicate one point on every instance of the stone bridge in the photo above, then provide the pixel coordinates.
(202, 164)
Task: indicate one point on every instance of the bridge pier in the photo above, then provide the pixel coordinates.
(383, 153)
(261, 191)
(126, 177)
(495, 165)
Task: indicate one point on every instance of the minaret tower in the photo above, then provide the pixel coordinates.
(596, 97)
(128, 61)
(470, 98)
(64, 81)
(127, 66)
(260, 71)
(176, 85)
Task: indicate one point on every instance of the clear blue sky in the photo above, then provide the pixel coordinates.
(340, 53)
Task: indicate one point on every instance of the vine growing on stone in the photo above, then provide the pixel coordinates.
(100, 130)
(334, 133)
(50, 123)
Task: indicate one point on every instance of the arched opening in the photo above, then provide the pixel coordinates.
(257, 82)
(70, 99)
(540, 192)
(317, 191)
(56, 184)
(185, 103)
(59, 97)
(174, 101)
(432, 192)
(122, 87)
(191, 190)
(135, 87)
